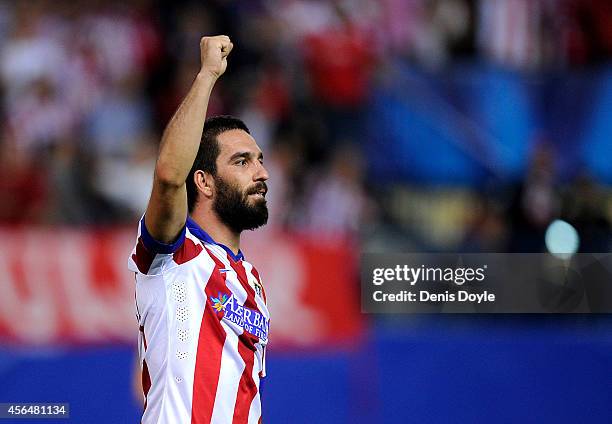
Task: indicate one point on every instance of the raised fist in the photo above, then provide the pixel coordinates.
(213, 54)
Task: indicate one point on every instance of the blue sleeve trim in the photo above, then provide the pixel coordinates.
(155, 246)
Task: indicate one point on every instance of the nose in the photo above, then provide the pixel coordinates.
(261, 174)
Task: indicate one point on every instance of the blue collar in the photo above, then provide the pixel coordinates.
(197, 231)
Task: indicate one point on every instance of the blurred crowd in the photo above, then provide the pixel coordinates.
(88, 86)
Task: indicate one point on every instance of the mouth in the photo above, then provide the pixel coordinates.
(260, 193)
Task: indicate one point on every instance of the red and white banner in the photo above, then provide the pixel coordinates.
(73, 286)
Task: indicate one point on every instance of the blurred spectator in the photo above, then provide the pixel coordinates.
(265, 102)
(516, 33)
(75, 197)
(444, 32)
(487, 229)
(29, 54)
(127, 181)
(40, 117)
(339, 59)
(588, 31)
(506, 31)
(67, 176)
(23, 187)
(283, 165)
(119, 119)
(335, 201)
(536, 202)
(584, 207)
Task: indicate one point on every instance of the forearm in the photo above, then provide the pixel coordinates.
(182, 135)
(167, 208)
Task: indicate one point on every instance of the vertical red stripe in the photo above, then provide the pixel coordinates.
(146, 381)
(247, 389)
(208, 356)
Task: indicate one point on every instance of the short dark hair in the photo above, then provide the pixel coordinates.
(208, 152)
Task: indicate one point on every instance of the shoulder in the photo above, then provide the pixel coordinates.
(151, 257)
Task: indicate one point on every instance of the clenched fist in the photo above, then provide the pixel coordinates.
(213, 54)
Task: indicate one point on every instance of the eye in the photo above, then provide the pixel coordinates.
(241, 162)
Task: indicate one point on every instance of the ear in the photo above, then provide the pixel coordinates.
(204, 182)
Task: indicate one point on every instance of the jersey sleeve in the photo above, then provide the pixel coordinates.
(149, 255)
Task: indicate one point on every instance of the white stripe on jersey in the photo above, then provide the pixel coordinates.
(183, 358)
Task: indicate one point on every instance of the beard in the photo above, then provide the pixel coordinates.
(234, 209)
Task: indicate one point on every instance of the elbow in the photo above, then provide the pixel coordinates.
(168, 178)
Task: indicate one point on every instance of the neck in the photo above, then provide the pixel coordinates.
(218, 230)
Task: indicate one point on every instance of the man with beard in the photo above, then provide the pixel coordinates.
(200, 305)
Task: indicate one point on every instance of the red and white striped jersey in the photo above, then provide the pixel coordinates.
(203, 329)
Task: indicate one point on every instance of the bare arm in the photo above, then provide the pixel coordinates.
(167, 209)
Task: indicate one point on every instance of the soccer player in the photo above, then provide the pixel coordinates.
(200, 305)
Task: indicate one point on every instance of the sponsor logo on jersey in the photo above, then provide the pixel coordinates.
(252, 321)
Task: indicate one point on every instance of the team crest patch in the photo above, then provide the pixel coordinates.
(252, 321)
(257, 287)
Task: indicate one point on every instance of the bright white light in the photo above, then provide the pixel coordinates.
(562, 239)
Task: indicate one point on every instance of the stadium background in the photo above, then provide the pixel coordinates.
(448, 125)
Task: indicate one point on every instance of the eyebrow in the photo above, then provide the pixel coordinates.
(246, 155)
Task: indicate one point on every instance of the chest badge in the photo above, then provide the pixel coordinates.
(257, 287)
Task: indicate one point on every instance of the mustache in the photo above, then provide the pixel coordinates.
(257, 188)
